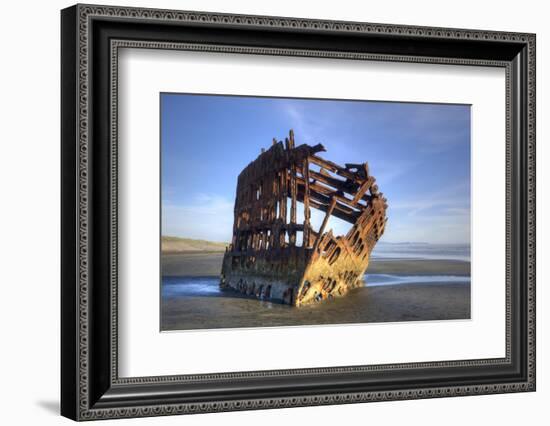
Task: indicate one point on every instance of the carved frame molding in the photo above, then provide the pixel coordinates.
(112, 396)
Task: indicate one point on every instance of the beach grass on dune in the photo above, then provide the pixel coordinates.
(184, 245)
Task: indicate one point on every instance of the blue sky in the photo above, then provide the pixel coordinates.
(419, 154)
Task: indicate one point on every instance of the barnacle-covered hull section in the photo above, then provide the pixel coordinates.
(273, 256)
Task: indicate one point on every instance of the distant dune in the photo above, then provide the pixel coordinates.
(185, 245)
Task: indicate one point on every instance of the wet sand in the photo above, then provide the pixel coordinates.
(381, 303)
(192, 264)
(204, 264)
(392, 303)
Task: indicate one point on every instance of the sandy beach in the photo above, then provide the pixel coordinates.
(414, 302)
(211, 308)
(192, 264)
(205, 264)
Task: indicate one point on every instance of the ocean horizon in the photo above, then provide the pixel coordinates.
(415, 250)
(182, 285)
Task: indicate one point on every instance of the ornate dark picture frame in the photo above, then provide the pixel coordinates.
(90, 385)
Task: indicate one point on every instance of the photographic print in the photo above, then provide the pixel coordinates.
(293, 212)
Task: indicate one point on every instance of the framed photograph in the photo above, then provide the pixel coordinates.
(263, 212)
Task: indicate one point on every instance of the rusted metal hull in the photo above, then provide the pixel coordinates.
(272, 256)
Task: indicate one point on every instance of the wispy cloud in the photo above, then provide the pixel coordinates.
(306, 125)
(438, 217)
(429, 228)
(205, 216)
(297, 121)
(436, 133)
(419, 154)
(451, 198)
(387, 172)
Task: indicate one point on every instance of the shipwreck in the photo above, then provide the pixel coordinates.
(274, 257)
